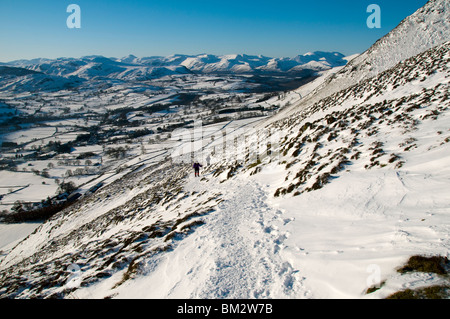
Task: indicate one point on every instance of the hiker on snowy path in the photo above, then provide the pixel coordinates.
(197, 169)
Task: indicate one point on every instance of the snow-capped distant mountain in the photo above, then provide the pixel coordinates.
(20, 79)
(99, 67)
(242, 63)
(64, 73)
(134, 68)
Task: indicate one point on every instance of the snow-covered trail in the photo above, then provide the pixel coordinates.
(243, 242)
(234, 255)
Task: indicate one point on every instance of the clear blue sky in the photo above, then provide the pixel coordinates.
(116, 28)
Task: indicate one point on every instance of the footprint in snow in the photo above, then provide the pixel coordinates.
(273, 230)
(287, 221)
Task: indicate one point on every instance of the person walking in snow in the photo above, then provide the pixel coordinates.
(197, 169)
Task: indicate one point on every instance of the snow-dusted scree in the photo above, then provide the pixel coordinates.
(342, 194)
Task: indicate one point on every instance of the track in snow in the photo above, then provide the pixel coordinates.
(240, 243)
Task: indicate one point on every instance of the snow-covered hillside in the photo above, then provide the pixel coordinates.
(17, 79)
(326, 200)
(426, 28)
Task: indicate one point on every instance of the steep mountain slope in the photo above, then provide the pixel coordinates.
(364, 174)
(425, 29)
(388, 98)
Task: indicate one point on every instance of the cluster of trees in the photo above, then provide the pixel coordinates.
(81, 171)
(117, 152)
(26, 212)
